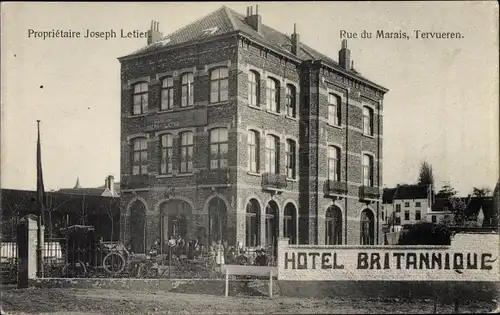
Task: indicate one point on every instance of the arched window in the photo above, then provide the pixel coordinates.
(272, 154)
(218, 148)
(253, 88)
(167, 144)
(139, 156)
(218, 85)
(253, 151)
(187, 145)
(167, 93)
(140, 98)
(291, 158)
(367, 228)
(252, 223)
(333, 163)
(289, 223)
(333, 226)
(368, 170)
(367, 121)
(291, 103)
(187, 84)
(334, 109)
(273, 95)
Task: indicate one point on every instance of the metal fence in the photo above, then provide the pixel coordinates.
(8, 261)
(112, 259)
(65, 259)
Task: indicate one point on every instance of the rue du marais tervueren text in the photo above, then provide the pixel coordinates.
(390, 260)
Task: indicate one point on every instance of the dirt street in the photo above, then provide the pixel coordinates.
(80, 301)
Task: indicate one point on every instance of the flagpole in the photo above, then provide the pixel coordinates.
(39, 255)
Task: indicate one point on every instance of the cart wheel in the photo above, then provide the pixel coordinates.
(74, 271)
(113, 263)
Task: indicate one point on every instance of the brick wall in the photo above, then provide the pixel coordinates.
(309, 129)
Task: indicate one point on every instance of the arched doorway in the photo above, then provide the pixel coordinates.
(289, 223)
(138, 227)
(272, 224)
(333, 226)
(173, 222)
(217, 221)
(252, 223)
(367, 227)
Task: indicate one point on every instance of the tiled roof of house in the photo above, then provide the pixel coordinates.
(82, 191)
(224, 21)
(388, 195)
(473, 204)
(411, 192)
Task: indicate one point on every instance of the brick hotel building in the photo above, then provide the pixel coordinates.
(233, 131)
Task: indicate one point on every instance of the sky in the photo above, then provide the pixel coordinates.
(442, 107)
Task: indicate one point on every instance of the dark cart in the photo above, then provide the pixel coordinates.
(86, 253)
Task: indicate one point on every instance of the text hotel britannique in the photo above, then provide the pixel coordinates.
(233, 131)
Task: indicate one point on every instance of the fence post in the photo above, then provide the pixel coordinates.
(26, 251)
(227, 282)
(271, 284)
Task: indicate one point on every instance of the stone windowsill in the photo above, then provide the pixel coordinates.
(254, 174)
(273, 113)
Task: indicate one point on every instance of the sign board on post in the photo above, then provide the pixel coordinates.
(387, 263)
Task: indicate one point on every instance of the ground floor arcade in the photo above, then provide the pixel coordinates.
(250, 218)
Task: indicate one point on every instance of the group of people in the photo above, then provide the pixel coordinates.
(219, 252)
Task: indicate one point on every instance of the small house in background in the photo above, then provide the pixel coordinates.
(99, 207)
(406, 205)
(109, 189)
(474, 207)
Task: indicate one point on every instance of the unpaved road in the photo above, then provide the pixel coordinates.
(79, 301)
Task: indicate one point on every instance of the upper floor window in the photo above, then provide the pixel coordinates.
(407, 215)
(218, 148)
(167, 144)
(273, 95)
(187, 145)
(167, 93)
(367, 170)
(272, 154)
(418, 215)
(291, 158)
(291, 103)
(139, 156)
(367, 121)
(418, 204)
(334, 163)
(334, 109)
(140, 98)
(253, 88)
(253, 151)
(218, 85)
(407, 204)
(398, 208)
(187, 83)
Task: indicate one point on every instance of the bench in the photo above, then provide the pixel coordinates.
(243, 270)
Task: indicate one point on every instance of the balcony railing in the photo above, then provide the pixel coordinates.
(367, 193)
(273, 181)
(137, 181)
(334, 187)
(213, 177)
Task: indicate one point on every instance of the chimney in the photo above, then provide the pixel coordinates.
(295, 40)
(110, 183)
(254, 20)
(154, 33)
(345, 56)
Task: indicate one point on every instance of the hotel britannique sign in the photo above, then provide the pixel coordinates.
(379, 263)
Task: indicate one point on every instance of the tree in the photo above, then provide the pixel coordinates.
(425, 233)
(481, 192)
(426, 176)
(446, 191)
